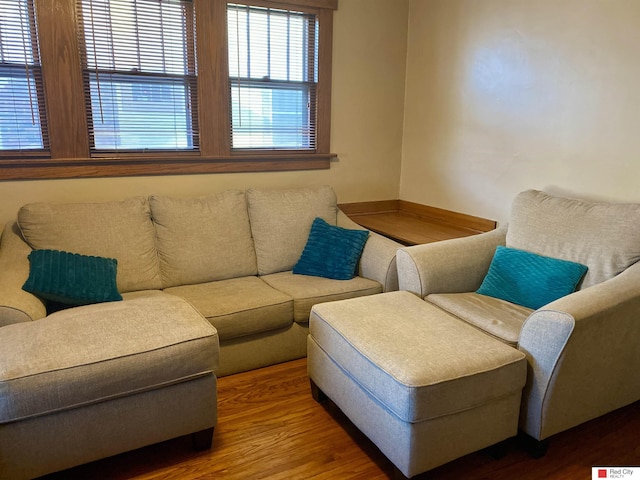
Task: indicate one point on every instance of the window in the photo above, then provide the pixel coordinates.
(138, 60)
(22, 121)
(153, 87)
(273, 59)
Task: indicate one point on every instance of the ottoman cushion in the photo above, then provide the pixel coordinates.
(101, 352)
(414, 358)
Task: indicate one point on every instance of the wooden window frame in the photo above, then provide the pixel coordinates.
(64, 99)
(117, 66)
(304, 84)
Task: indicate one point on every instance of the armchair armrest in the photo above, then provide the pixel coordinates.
(583, 355)
(16, 305)
(378, 261)
(449, 266)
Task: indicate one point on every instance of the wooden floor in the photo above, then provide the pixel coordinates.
(270, 427)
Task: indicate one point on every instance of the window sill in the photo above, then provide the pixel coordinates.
(32, 169)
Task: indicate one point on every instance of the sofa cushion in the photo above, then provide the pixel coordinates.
(331, 251)
(121, 230)
(499, 318)
(307, 290)
(203, 239)
(529, 279)
(281, 220)
(239, 306)
(112, 350)
(603, 236)
(71, 278)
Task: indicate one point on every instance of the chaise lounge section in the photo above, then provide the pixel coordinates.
(98, 380)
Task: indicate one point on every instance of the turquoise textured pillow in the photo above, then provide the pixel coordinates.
(331, 252)
(529, 279)
(71, 278)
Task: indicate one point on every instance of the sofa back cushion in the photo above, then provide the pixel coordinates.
(121, 230)
(603, 236)
(203, 239)
(281, 221)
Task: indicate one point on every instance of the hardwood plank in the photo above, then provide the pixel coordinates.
(270, 427)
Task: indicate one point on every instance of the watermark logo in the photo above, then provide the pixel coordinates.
(615, 472)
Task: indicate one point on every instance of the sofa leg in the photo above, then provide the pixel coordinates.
(398, 475)
(498, 450)
(317, 394)
(203, 439)
(535, 448)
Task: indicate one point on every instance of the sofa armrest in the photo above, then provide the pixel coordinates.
(378, 261)
(449, 266)
(583, 355)
(16, 305)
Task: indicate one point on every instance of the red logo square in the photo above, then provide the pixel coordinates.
(602, 473)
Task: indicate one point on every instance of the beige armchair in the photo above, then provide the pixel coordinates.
(583, 348)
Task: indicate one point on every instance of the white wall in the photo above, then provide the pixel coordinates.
(506, 95)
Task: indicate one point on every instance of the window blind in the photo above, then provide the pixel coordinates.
(23, 125)
(140, 75)
(273, 64)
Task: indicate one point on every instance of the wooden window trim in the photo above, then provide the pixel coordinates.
(68, 134)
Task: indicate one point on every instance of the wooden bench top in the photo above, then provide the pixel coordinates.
(412, 223)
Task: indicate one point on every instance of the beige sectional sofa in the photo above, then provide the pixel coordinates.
(229, 254)
(92, 380)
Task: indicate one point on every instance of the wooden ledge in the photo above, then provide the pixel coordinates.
(413, 223)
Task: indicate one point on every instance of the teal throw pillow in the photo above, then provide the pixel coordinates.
(71, 278)
(529, 279)
(331, 252)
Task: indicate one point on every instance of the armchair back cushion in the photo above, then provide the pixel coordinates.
(603, 236)
(121, 230)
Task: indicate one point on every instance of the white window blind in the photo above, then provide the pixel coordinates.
(23, 125)
(139, 67)
(273, 64)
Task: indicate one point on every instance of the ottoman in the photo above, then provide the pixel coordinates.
(94, 381)
(425, 387)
